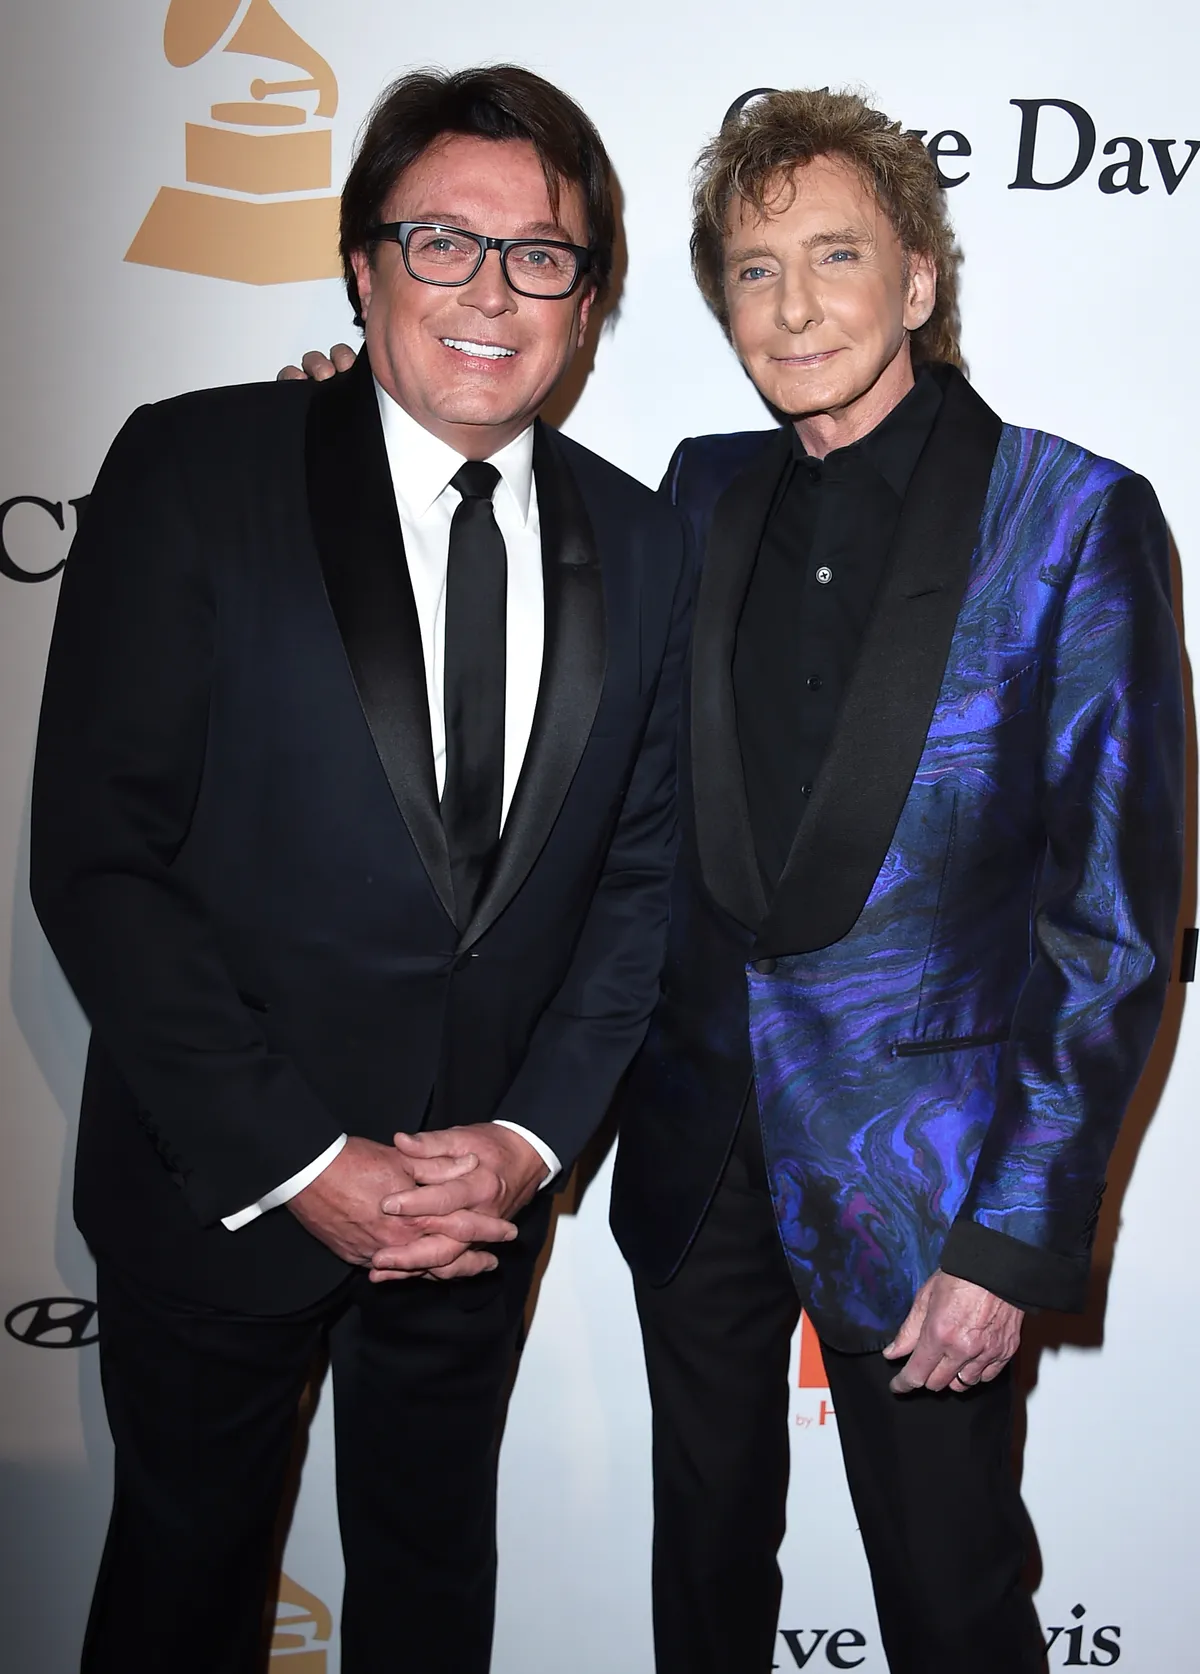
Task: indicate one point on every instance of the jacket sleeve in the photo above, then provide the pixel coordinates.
(1112, 777)
(120, 756)
(587, 1037)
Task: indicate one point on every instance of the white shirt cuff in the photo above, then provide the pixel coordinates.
(543, 1150)
(297, 1183)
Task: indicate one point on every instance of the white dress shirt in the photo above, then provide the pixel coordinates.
(421, 468)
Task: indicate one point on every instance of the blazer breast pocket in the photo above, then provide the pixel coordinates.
(934, 1045)
(965, 710)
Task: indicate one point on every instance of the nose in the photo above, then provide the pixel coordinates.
(798, 303)
(488, 291)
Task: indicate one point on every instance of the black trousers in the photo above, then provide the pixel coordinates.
(203, 1409)
(929, 1475)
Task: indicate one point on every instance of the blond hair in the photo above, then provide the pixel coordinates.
(760, 147)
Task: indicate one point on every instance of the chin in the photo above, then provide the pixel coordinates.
(480, 412)
(799, 396)
(483, 394)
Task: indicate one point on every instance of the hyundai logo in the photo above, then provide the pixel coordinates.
(53, 1322)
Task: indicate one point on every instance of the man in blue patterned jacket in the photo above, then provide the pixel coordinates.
(922, 925)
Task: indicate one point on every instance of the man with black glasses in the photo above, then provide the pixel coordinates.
(353, 816)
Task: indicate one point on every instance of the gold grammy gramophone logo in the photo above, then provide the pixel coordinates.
(241, 223)
(303, 1628)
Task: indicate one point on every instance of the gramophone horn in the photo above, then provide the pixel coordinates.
(194, 27)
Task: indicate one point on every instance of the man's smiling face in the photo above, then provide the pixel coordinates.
(472, 363)
(821, 298)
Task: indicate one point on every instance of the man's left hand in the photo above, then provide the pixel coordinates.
(508, 1175)
(956, 1335)
(317, 367)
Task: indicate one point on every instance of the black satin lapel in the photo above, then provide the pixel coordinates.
(723, 836)
(573, 663)
(352, 507)
(885, 715)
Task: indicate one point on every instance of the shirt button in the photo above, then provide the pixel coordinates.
(766, 967)
(806, 788)
(813, 682)
(824, 575)
(813, 473)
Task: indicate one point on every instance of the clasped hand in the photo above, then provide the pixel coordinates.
(422, 1206)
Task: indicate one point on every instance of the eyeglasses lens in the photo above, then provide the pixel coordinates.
(540, 269)
(440, 256)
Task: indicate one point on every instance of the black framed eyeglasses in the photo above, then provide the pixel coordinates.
(437, 255)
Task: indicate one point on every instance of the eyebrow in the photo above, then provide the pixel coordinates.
(528, 229)
(838, 235)
(744, 252)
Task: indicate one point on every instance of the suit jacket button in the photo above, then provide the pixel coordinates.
(766, 967)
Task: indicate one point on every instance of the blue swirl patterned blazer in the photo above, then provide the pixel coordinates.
(948, 1002)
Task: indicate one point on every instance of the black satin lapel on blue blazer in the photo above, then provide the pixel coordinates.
(723, 837)
(573, 665)
(352, 507)
(881, 729)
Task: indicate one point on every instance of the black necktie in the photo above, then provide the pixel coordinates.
(473, 685)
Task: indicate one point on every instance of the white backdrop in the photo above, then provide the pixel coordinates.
(1079, 312)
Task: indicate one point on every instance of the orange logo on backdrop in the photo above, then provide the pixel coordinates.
(812, 1367)
(257, 236)
(303, 1627)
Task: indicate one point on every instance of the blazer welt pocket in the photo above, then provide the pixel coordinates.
(964, 709)
(948, 1043)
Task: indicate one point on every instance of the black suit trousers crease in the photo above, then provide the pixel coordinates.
(203, 1408)
(929, 1474)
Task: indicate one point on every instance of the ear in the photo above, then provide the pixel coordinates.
(922, 292)
(585, 310)
(364, 273)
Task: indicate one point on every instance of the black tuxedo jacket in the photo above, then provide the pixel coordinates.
(237, 850)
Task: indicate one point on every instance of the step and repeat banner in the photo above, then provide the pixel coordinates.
(169, 193)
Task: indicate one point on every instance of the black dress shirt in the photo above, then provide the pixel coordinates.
(818, 569)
